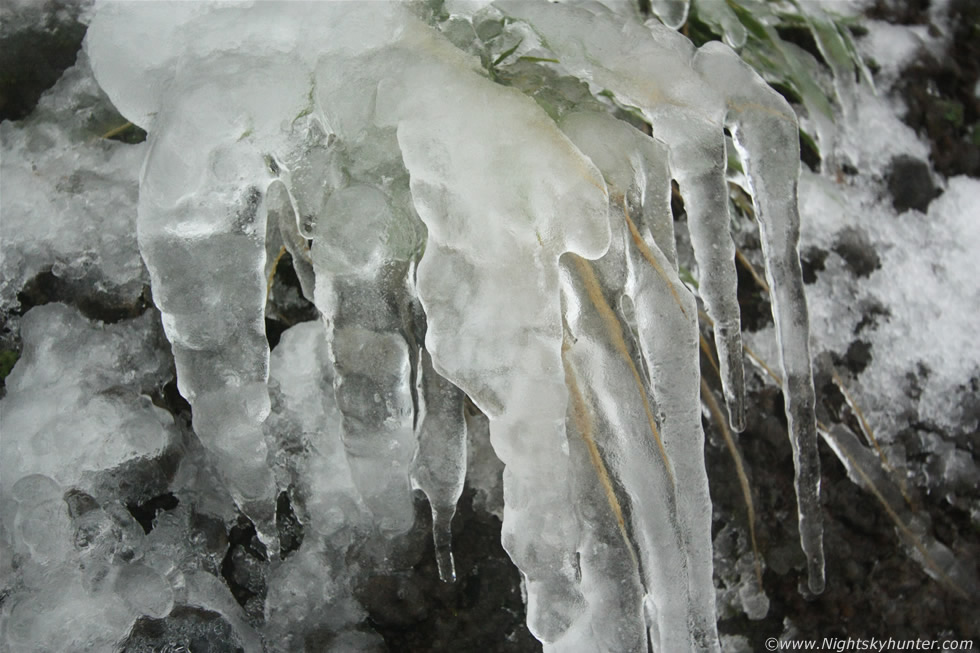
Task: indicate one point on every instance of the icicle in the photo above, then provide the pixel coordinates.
(599, 47)
(627, 431)
(697, 156)
(360, 294)
(587, 369)
(205, 255)
(440, 464)
(502, 194)
(666, 328)
(667, 334)
(607, 558)
(765, 132)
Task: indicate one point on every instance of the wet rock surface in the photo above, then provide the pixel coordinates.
(858, 253)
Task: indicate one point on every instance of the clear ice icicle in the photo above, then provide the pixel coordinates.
(440, 463)
(360, 292)
(672, 531)
(765, 132)
(488, 282)
(205, 255)
(716, 89)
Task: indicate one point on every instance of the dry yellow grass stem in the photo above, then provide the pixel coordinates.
(272, 274)
(615, 330)
(906, 531)
(743, 479)
(743, 259)
(869, 434)
(583, 422)
(115, 131)
(648, 255)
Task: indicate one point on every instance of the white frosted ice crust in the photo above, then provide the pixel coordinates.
(472, 228)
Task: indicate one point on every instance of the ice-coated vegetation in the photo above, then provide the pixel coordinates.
(468, 201)
(462, 213)
(459, 238)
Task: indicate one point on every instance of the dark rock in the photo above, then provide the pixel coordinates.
(756, 310)
(482, 611)
(146, 512)
(186, 628)
(854, 246)
(37, 44)
(245, 565)
(289, 528)
(910, 184)
(812, 260)
(871, 313)
(858, 356)
(677, 202)
(941, 98)
(87, 294)
(900, 12)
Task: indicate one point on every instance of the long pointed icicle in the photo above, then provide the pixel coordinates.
(667, 334)
(697, 155)
(440, 463)
(610, 446)
(372, 381)
(765, 132)
(676, 553)
(636, 459)
(222, 355)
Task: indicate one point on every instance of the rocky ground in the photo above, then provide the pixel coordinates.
(876, 586)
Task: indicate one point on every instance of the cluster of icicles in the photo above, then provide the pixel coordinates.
(461, 239)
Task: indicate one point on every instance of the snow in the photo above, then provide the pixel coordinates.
(928, 291)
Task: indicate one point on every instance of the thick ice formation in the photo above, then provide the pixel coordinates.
(56, 180)
(75, 575)
(459, 238)
(67, 359)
